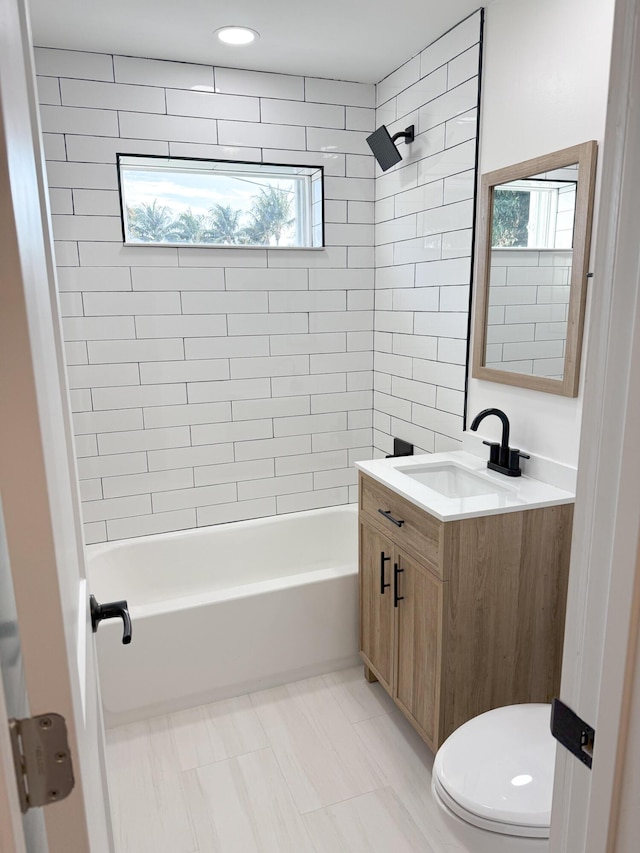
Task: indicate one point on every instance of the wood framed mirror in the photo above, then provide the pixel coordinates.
(534, 237)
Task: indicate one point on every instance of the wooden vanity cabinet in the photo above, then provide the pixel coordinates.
(463, 616)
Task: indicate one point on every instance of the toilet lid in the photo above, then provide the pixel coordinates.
(496, 770)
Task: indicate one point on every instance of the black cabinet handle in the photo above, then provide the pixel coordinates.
(111, 610)
(396, 597)
(398, 522)
(383, 585)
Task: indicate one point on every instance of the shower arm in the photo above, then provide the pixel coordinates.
(408, 134)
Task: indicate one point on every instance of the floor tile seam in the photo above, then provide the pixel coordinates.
(371, 755)
(310, 719)
(210, 722)
(307, 717)
(407, 816)
(306, 712)
(346, 800)
(410, 817)
(187, 808)
(192, 821)
(168, 715)
(318, 728)
(360, 719)
(285, 786)
(373, 717)
(258, 720)
(149, 737)
(274, 751)
(182, 770)
(301, 812)
(284, 778)
(282, 725)
(397, 790)
(334, 688)
(118, 829)
(266, 745)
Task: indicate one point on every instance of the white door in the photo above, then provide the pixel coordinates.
(42, 530)
(604, 593)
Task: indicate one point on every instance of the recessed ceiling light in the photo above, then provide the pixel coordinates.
(237, 35)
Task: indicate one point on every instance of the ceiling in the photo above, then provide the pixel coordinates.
(359, 40)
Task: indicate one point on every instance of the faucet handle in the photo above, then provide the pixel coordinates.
(514, 459)
(518, 454)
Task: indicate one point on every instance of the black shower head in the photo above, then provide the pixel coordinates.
(383, 146)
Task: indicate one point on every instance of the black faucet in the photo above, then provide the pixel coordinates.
(502, 458)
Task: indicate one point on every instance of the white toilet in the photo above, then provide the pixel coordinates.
(493, 780)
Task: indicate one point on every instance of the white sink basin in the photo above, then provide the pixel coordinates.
(452, 485)
(453, 481)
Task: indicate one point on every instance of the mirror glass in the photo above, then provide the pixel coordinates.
(532, 265)
(530, 273)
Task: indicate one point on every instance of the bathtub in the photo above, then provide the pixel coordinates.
(221, 611)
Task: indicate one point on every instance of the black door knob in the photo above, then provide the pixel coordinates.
(111, 610)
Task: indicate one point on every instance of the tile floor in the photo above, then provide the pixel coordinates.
(324, 765)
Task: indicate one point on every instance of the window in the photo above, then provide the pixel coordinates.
(171, 201)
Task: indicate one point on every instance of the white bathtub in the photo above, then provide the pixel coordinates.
(224, 610)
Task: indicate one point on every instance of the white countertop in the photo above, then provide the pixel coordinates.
(516, 493)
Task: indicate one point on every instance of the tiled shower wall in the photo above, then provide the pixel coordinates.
(212, 385)
(209, 385)
(423, 235)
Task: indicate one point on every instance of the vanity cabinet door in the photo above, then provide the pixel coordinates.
(376, 603)
(419, 645)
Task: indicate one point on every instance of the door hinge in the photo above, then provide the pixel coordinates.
(572, 732)
(44, 772)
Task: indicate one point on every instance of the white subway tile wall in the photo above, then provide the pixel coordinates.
(424, 210)
(215, 385)
(209, 385)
